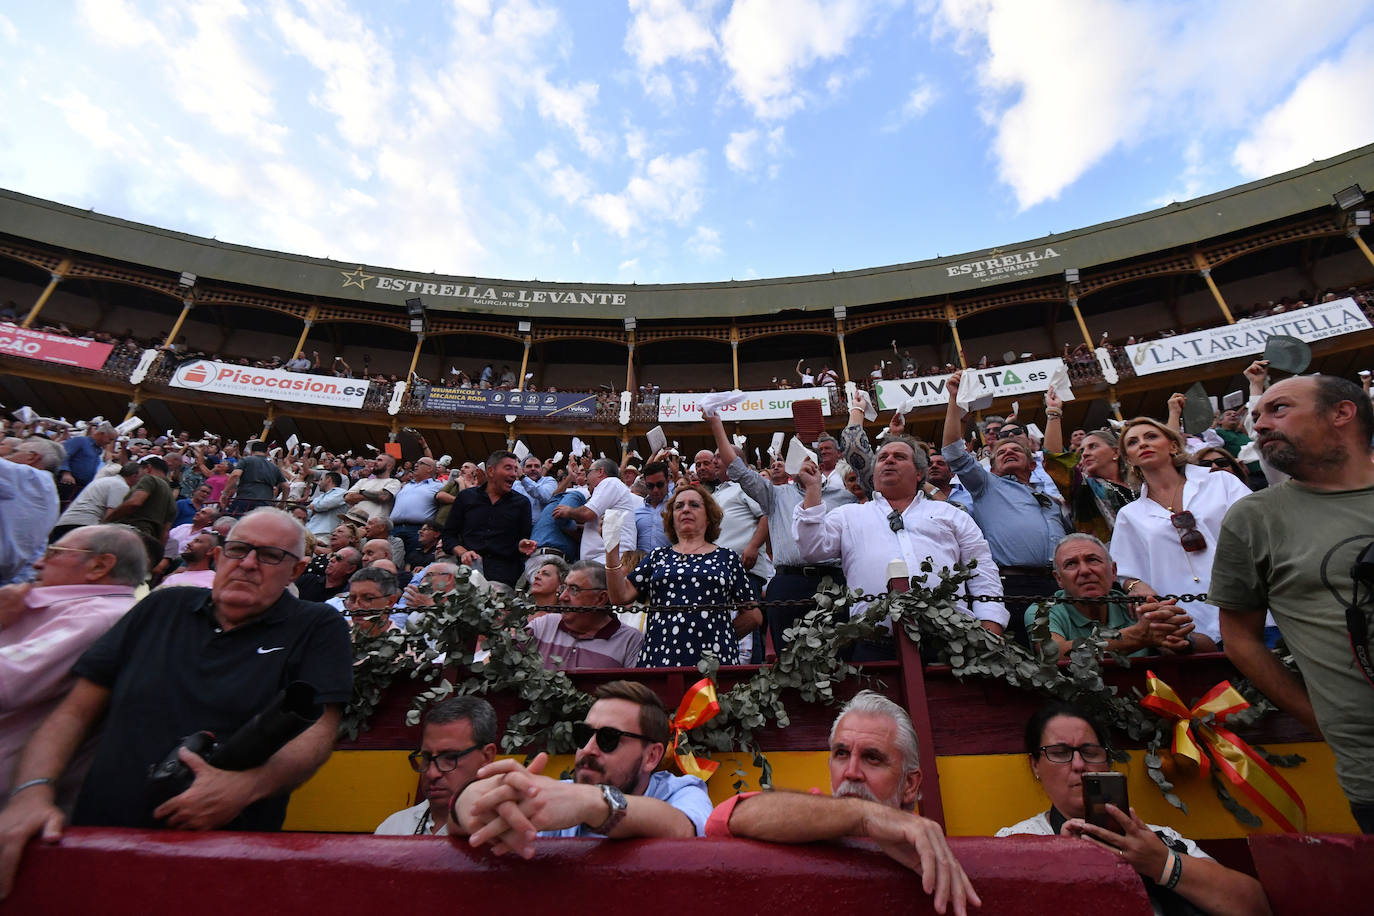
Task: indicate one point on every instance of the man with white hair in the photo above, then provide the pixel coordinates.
(875, 783)
(608, 494)
(85, 454)
(181, 661)
(28, 506)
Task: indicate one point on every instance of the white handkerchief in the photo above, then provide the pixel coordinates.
(292, 442)
(611, 524)
(1211, 439)
(1034, 432)
(128, 426)
(521, 450)
(712, 403)
(578, 447)
(557, 457)
(740, 440)
(1059, 382)
(1104, 359)
(796, 454)
(25, 415)
(973, 393)
(775, 448)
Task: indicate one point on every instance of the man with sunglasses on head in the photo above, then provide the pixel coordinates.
(617, 789)
(1020, 519)
(458, 739)
(181, 661)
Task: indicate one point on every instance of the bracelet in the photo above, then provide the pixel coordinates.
(1129, 584)
(617, 566)
(1176, 874)
(40, 781)
(1168, 869)
(1054, 413)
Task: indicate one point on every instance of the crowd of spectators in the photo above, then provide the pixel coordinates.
(641, 565)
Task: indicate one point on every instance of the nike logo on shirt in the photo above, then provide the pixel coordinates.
(263, 651)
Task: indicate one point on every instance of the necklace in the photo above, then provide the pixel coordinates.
(704, 548)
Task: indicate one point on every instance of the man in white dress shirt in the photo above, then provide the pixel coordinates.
(899, 523)
(608, 493)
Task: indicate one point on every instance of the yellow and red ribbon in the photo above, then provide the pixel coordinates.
(699, 704)
(1211, 743)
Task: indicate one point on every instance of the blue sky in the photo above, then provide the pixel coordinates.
(661, 141)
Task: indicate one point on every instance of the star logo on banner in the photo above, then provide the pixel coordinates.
(356, 277)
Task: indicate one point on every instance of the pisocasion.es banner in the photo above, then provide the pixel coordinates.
(269, 384)
(1247, 338)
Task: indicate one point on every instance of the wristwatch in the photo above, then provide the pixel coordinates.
(616, 807)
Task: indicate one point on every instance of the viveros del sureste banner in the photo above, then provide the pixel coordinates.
(1248, 337)
(269, 384)
(676, 407)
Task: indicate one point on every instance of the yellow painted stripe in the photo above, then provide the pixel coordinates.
(356, 790)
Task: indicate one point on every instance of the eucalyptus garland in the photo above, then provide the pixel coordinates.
(447, 635)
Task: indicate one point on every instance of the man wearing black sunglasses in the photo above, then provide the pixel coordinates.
(184, 660)
(617, 789)
(459, 738)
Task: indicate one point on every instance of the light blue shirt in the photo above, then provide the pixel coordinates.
(1019, 529)
(538, 492)
(415, 503)
(28, 506)
(324, 511)
(685, 793)
(650, 532)
(780, 501)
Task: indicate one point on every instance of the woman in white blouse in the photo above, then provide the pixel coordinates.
(1167, 537)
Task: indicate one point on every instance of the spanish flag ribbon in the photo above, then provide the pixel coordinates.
(1207, 743)
(698, 705)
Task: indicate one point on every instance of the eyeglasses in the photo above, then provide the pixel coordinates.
(649, 484)
(607, 738)
(1043, 499)
(444, 761)
(1188, 535)
(574, 591)
(54, 549)
(1063, 753)
(353, 600)
(894, 521)
(272, 556)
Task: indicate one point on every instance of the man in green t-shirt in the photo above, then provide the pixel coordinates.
(1084, 569)
(1292, 549)
(150, 507)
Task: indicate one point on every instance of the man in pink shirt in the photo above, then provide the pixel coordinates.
(85, 582)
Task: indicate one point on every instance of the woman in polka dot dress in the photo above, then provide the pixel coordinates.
(692, 571)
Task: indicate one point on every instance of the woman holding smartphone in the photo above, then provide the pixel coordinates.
(1064, 743)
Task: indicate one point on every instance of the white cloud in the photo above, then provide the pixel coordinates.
(841, 79)
(916, 104)
(93, 124)
(1067, 82)
(635, 144)
(569, 106)
(564, 181)
(704, 243)
(742, 150)
(666, 31)
(632, 264)
(1319, 119)
(767, 43)
(7, 29)
(666, 188)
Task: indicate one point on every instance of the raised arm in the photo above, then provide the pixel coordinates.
(1054, 423)
(954, 414)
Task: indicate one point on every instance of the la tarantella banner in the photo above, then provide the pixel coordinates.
(53, 348)
(757, 405)
(1247, 338)
(1000, 381)
(269, 384)
(519, 403)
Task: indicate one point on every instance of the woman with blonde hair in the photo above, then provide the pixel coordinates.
(1164, 542)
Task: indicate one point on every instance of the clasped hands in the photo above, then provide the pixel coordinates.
(508, 804)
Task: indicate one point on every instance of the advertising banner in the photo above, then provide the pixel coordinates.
(1247, 338)
(269, 384)
(53, 348)
(757, 405)
(519, 403)
(999, 381)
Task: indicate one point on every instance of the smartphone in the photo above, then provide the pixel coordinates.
(1100, 790)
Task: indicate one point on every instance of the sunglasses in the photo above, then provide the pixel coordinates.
(1006, 432)
(1188, 535)
(444, 761)
(1224, 463)
(272, 556)
(607, 738)
(894, 521)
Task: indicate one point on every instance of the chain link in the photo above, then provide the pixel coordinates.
(811, 602)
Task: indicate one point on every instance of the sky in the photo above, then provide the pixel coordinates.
(665, 141)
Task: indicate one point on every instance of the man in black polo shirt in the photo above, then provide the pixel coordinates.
(183, 660)
(255, 482)
(492, 523)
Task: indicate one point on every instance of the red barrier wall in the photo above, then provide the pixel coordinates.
(1308, 875)
(116, 872)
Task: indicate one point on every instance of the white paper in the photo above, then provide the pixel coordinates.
(796, 454)
(611, 523)
(1233, 400)
(775, 448)
(292, 442)
(657, 440)
(712, 403)
(521, 450)
(1059, 382)
(128, 426)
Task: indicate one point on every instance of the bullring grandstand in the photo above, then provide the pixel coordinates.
(114, 318)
